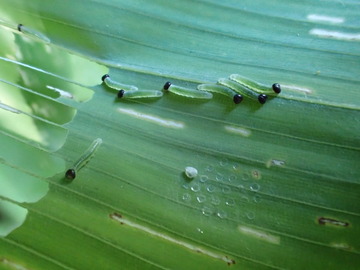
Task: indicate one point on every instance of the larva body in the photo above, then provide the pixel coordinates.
(32, 33)
(243, 90)
(255, 86)
(87, 155)
(134, 94)
(117, 85)
(237, 98)
(186, 92)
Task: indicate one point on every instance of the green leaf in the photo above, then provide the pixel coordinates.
(277, 184)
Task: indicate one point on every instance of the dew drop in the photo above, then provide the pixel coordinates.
(219, 177)
(195, 187)
(210, 188)
(236, 167)
(250, 215)
(244, 198)
(230, 202)
(204, 178)
(209, 168)
(245, 176)
(186, 197)
(221, 214)
(226, 189)
(199, 230)
(232, 178)
(241, 188)
(255, 187)
(201, 198)
(215, 200)
(257, 198)
(186, 186)
(207, 211)
(224, 162)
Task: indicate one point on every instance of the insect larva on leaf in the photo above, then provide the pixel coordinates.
(133, 94)
(32, 33)
(255, 86)
(86, 156)
(237, 98)
(243, 90)
(116, 85)
(186, 92)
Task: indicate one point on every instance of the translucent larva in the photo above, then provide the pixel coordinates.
(237, 98)
(255, 86)
(32, 33)
(116, 85)
(133, 94)
(243, 90)
(88, 154)
(186, 92)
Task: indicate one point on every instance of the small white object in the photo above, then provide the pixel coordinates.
(191, 172)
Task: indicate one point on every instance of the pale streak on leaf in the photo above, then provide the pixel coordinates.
(325, 18)
(152, 118)
(198, 249)
(273, 239)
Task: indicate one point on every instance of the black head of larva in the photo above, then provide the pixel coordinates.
(70, 174)
(104, 77)
(120, 93)
(276, 87)
(167, 85)
(19, 27)
(237, 98)
(262, 98)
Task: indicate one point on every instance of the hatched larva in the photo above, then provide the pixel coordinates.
(243, 90)
(255, 86)
(117, 85)
(237, 98)
(133, 94)
(32, 33)
(186, 92)
(88, 154)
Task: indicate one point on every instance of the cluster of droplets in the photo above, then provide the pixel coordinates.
(224, 190)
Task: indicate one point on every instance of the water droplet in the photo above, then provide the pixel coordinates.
(195, 188)
(244, 198)
(232, 178)
(226, 189)
(219, 177)
(199, 230)
(221, 214)
(209, 168)
(236, 167)
(186, 186)
(257, 198)
(215, 200)
(186, 197)
(207, 211)
(255, 187)
(204, 178)
(224, 162)
(210, 188)
(230, 202)
(201, 198)
(241, 188)
(250, 215)
(256, 174)
(245, 176)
